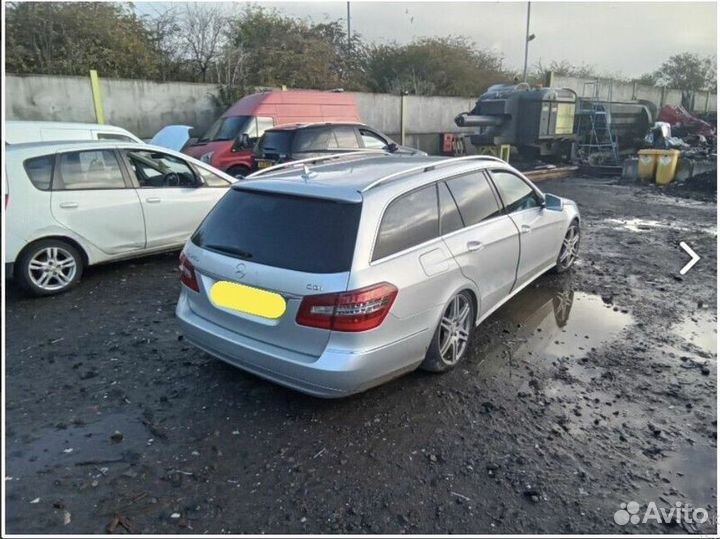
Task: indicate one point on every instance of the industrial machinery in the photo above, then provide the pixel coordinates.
(534, 120)
(554, 123)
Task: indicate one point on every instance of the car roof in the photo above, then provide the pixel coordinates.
(28, 150)
(352, 177)
(64, 125)
(293, 127)
(63, 145)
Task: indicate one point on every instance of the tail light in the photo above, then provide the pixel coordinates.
(356, 310)
(7, 200)
(187, 273)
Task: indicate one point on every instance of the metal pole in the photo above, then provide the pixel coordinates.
(402, 118)
(97, 97)
(348, 23)
(527, 43)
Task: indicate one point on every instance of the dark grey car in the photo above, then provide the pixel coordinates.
(300, 141)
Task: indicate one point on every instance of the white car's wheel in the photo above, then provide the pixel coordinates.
(49, 267)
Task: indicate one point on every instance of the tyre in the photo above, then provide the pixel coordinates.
(238, 171)
(569, 248)
(452, 336)
(48, 267)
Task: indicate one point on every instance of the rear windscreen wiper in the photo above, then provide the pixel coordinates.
(231, 250)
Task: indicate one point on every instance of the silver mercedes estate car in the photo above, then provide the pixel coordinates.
(335, 274)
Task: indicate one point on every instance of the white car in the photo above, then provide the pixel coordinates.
(74, 204)
(19, 132)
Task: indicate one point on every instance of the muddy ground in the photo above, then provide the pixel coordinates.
(588, 390)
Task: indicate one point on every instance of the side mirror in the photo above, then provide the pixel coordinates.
(392, 147)
(553, 202)
(242, 142)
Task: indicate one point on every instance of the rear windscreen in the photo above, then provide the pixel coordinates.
(291, 232)
(275, 142)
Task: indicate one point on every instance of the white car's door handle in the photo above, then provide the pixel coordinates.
(525, 228)
(152, 200)
(474, 245)
(68, 205)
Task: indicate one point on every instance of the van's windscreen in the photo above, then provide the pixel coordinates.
(226, 128)
(297, 233)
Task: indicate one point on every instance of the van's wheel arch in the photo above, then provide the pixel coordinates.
(451, 340)
(49, 266)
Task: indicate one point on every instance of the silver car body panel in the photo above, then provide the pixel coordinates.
(516, 249)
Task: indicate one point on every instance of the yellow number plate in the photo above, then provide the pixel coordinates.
(247, 299)
(263, 163)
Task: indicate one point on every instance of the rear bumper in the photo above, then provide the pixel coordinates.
(336, 373)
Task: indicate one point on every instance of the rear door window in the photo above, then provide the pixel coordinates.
(312, 140)
(96, 169)
(346, 137)
(307, 234)
(40, 170)
(474, 197)
(409, 220)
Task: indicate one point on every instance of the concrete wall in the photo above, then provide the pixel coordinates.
(142, 107)
(425, 117)
(626, 91)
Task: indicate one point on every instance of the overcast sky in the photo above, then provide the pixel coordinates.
(629, 38)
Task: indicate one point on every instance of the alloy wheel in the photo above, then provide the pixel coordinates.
(52, 268)
(454, 331)
(570, 246)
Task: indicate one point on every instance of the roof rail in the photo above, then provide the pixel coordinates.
(314, 160)
(430, 167)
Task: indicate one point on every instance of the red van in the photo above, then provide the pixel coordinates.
(228, 144)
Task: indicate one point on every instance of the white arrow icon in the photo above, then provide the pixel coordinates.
(693, 258)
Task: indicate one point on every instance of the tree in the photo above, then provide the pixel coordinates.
(689, 72)
(204, 29)
(165, 35)
(648, 79)
(284, 51)
(58, 38)
(434, 66)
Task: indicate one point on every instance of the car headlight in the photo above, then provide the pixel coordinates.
(206, 157)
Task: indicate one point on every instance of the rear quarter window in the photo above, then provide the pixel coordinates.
(40, 171)
(409, 220)
(298, 233)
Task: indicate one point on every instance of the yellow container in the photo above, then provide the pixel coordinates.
(667, 161)
(647, 161)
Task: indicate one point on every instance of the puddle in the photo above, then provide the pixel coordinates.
(699, 329)
(691, 473)
(77, 445)
(562, 323)
(645, 225)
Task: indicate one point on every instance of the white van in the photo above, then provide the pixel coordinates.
(17, 132)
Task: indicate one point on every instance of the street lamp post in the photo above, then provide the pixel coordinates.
(528, 38)
(348, 24)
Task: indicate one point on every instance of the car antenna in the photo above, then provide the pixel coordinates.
(306, 173)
